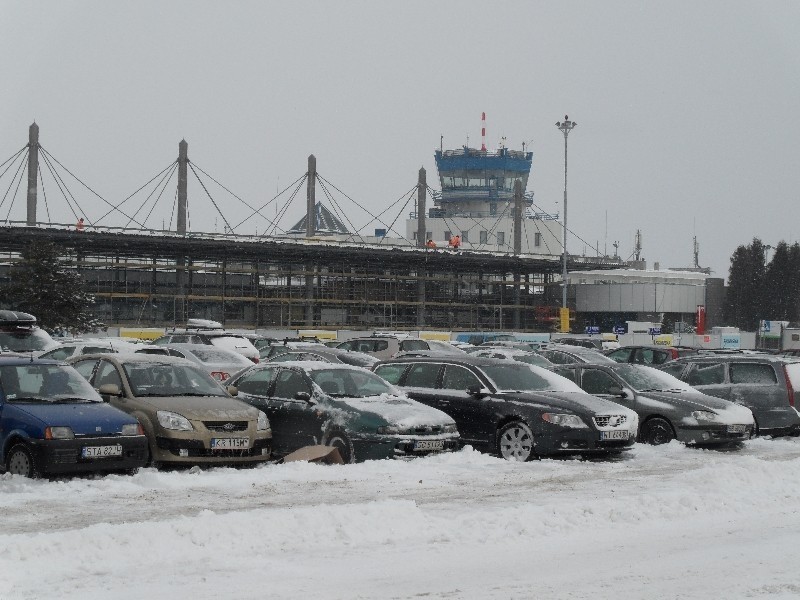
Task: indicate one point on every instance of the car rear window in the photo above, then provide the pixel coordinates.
(752, 373)
(391, 373)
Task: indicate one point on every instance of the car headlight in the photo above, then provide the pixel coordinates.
(263, 422)
(132, 429)
(59, 433)
(388, 429)
(450, 428)
(171, 420)
(565, 420)
(705, 415)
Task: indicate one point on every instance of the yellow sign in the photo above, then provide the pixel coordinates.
(443, 336)
(320, 334)
(147, 333)
(564, 318)
(663, 340)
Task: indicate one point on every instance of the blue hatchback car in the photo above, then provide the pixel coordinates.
(53, 422)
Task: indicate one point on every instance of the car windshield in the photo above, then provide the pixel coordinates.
(351, 383)
(647, 379)
(169, 379)
(26, 340)
(45, 383)
(528, 378)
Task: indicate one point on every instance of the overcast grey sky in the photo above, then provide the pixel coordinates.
(686, 111)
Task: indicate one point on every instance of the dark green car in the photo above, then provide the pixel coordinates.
(350, 408)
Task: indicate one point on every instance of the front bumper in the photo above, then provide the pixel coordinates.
(184, 450)
(580, 441)
(707, 434)
(381, 447)
(53, 457)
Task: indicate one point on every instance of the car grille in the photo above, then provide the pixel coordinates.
(610, 420)
(225, 426)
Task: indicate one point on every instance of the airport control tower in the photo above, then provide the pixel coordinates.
(480, 183)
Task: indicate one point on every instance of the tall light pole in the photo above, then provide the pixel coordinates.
(565, 128)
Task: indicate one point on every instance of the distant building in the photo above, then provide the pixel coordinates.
(477, 202)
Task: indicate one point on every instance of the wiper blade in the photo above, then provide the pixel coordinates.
(70, 399)
(26, 399)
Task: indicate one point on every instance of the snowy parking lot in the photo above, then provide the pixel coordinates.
(659, 522)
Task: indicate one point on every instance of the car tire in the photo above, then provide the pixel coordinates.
(515, 442)
(19, 461)
(339, 440)
(656, 431)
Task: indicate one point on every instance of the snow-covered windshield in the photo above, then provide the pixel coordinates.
(642, 378)
(351, 383)
(528, 378)
(26, 340)
(51, 383)
(167, 379)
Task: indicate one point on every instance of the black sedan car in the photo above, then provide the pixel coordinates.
(515, 410)
(667, 408)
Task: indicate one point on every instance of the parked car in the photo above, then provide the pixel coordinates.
(763, 383)
(517, 345)
(347, 407)
(187, 416)
(562, 354)
(92, 346)
(20, 333)
(217, 362)
(332, 355)
(273, 350)
(379, 346)
(648, 355)
(416, 344)
(668, 409)
(598, 343)
(524, 356)
(222, 339)
(52, 422)
(514, 410)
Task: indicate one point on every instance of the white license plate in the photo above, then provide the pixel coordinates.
(426, 445)
(101, 451)
(621, 434)
(737, 428)
(230, 443)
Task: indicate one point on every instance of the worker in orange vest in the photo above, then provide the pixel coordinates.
(430, 244)
(455, 242)
(79, 224)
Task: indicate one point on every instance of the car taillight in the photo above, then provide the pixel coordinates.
(254, 359)
(220, 375)
(789, 387)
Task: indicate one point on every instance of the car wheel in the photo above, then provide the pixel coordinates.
(20, 462)
(342, 443)
(657, 431)
(515, 442)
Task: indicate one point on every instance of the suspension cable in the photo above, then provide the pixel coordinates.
(63, 183)
(255, 210)
(44, 195)
(14, 157)
(268, 202)
(11, 204)
(285, 207)
(338, 210)
(116, 207)
(228, 225)
(164, 187)
(13, 179)
(165, 178)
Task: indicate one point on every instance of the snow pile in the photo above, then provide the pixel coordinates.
(663, 522)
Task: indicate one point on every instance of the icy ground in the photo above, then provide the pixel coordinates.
(664, 522)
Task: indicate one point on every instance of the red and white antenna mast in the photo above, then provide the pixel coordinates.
(483, 132)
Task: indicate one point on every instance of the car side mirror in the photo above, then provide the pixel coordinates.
(477, 390)
(303, 396)
(232, 390)
(617, 390)
(109, 389)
